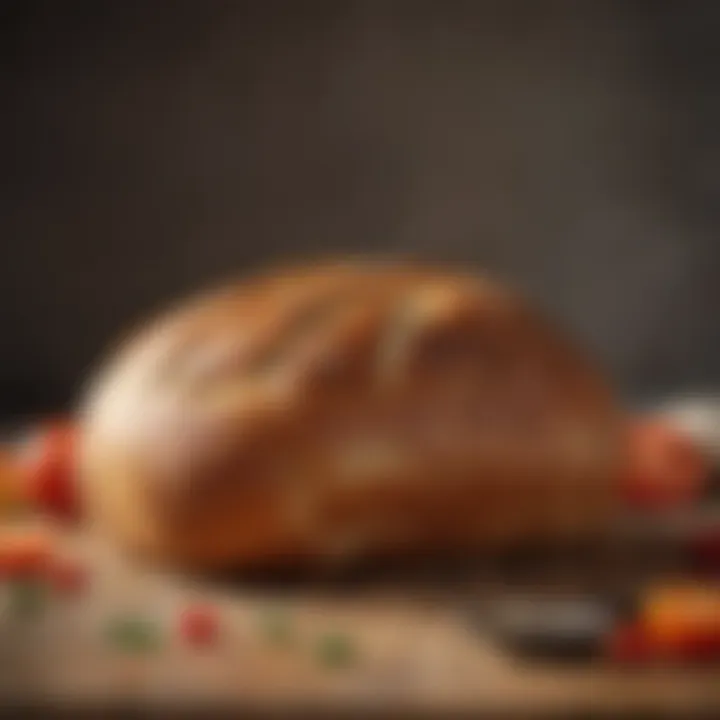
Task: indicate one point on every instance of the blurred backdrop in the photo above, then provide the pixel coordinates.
(148, 148)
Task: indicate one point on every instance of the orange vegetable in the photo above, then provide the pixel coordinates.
(678, 624)
(683, 621)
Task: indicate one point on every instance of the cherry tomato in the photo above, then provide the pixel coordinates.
(666, 469)
(50, 468)
(199, 625)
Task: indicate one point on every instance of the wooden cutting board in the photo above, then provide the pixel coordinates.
(416, 645)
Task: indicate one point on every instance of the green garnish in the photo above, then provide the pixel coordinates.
(133, 634)
(336, 650)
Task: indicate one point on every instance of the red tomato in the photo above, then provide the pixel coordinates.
(666, 469)
(50, 468)
(24, 553)
(199, 625)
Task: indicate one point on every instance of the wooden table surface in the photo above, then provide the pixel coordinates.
(417, 649)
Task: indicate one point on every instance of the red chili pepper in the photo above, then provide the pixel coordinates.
(199, 625)
(50, 468)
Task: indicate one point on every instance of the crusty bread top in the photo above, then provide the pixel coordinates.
(247, 386)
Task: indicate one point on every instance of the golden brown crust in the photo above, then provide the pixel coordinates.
(347, 409)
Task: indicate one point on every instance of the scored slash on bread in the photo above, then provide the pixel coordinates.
(402, 408)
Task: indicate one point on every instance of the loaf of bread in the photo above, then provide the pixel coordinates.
(346, 410)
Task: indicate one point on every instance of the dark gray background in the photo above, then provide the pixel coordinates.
(151, 147)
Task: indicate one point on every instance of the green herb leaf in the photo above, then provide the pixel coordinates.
(133, 634)
(336, 650)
